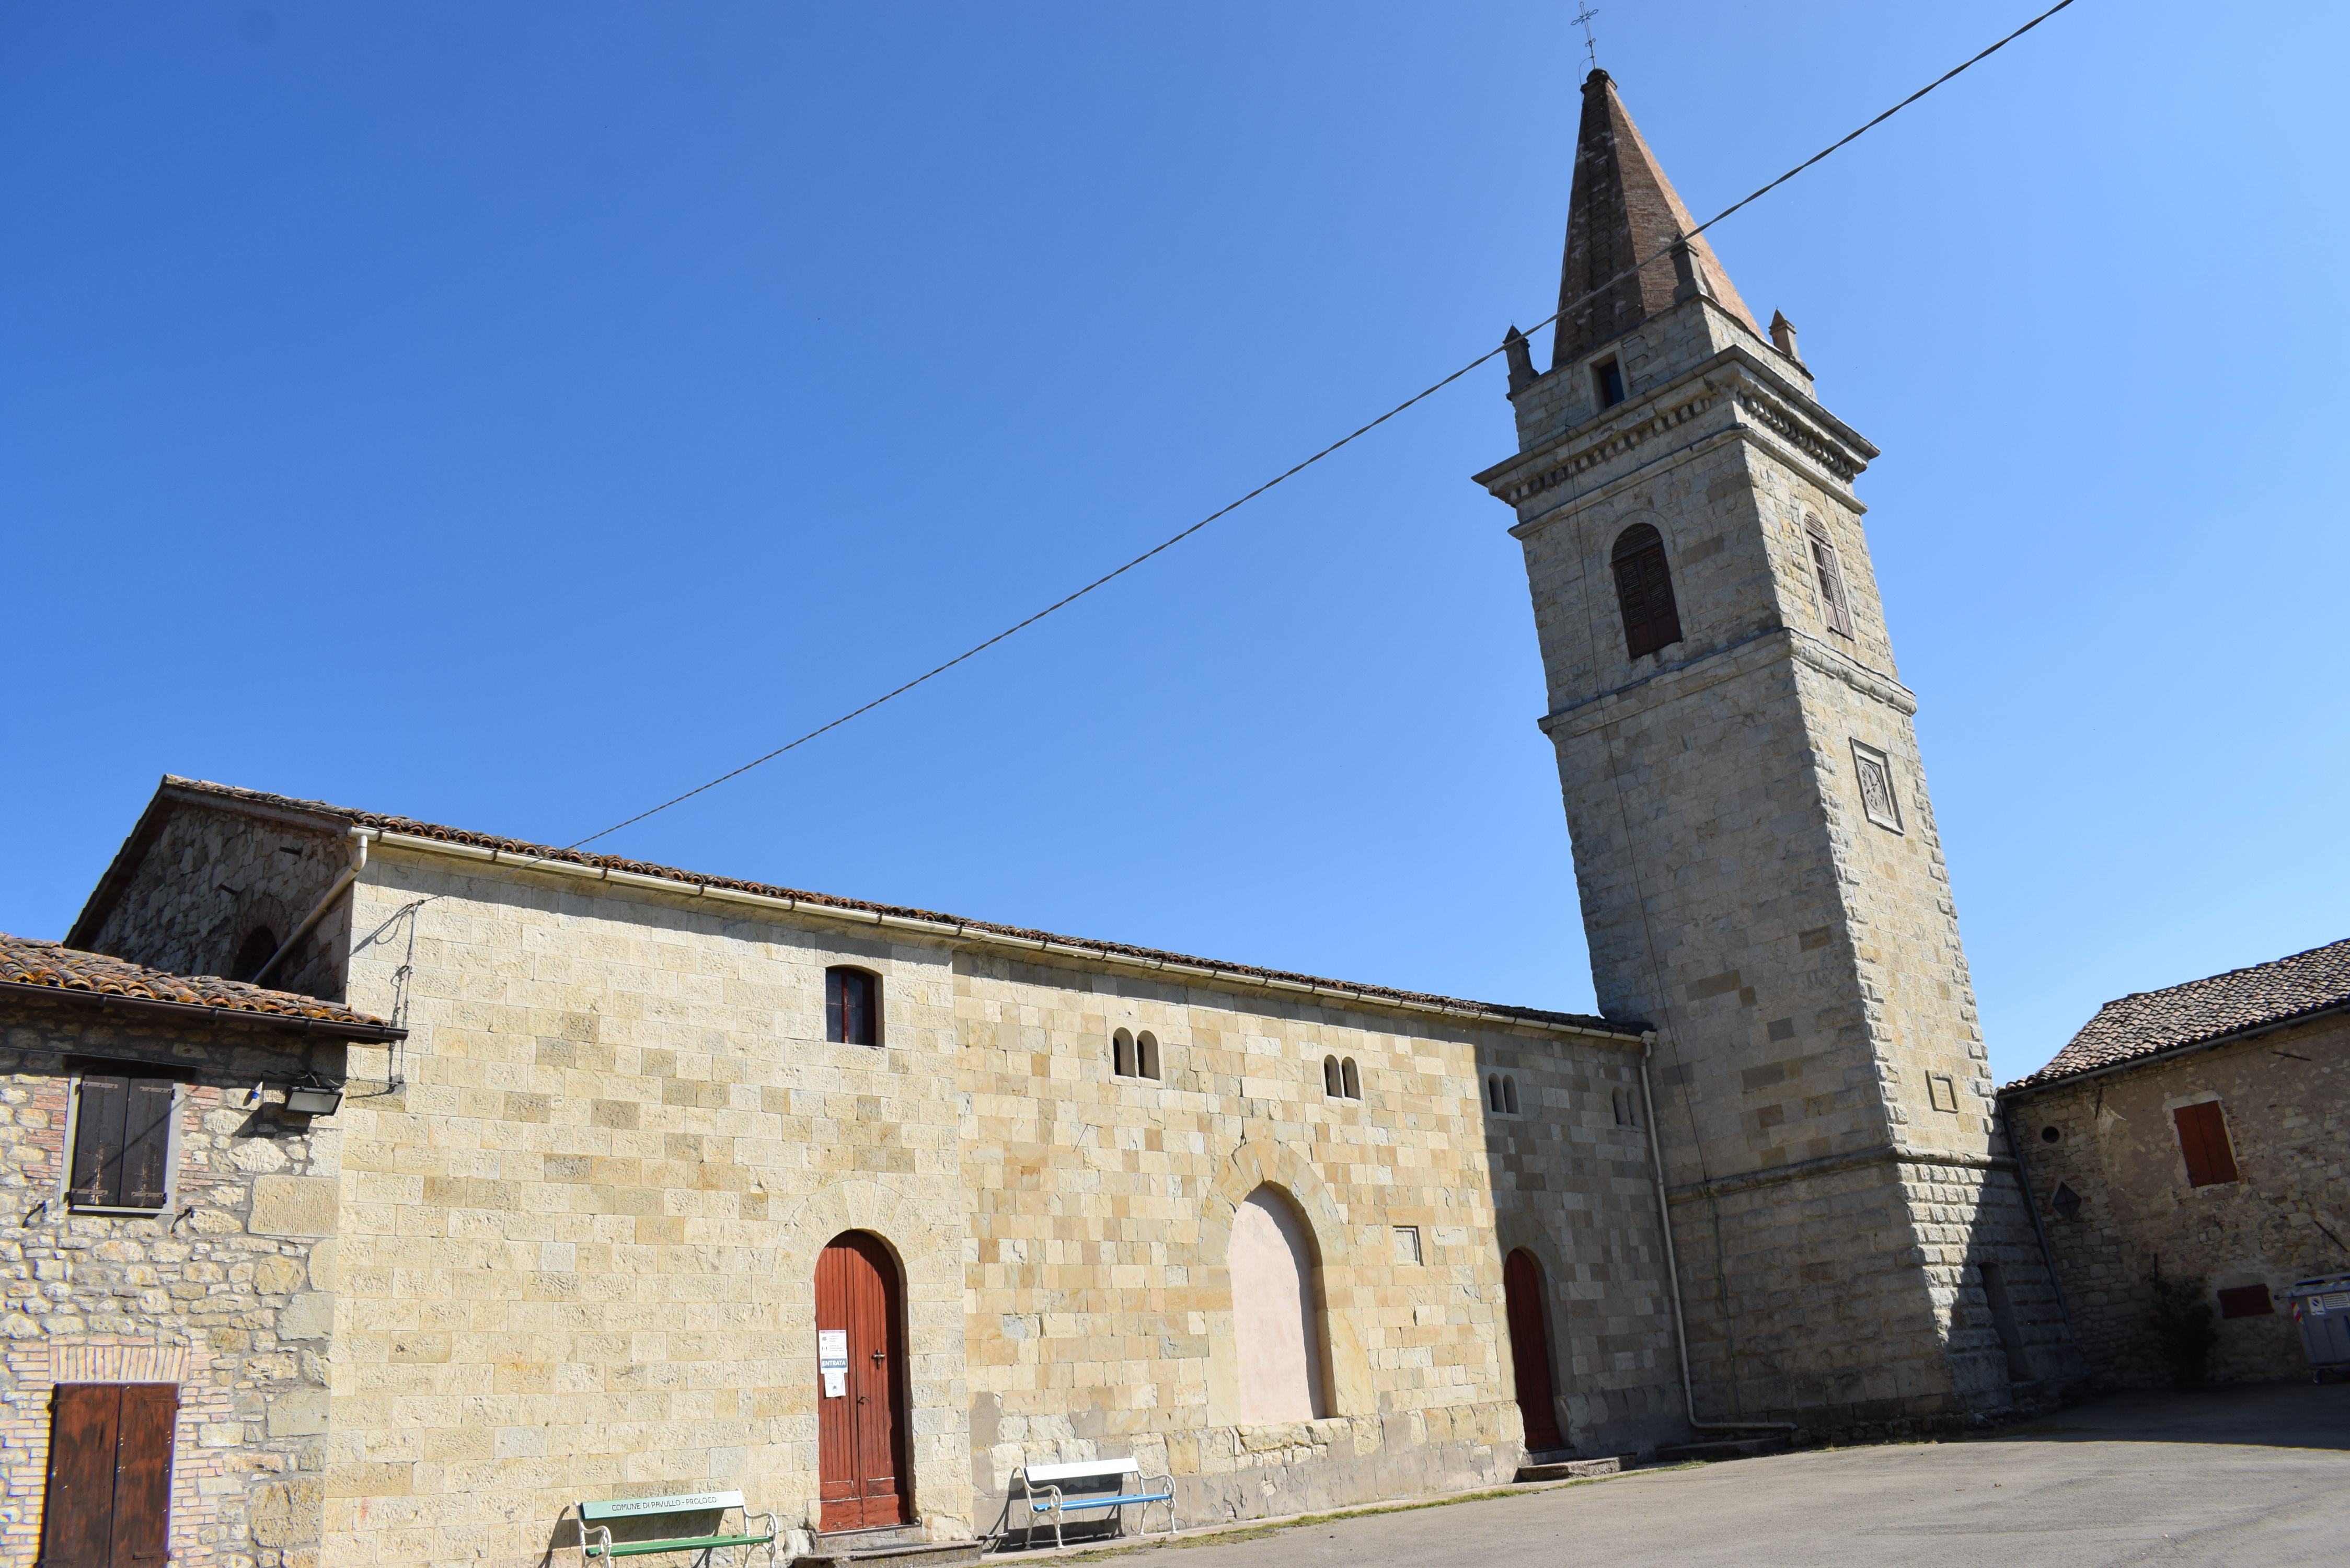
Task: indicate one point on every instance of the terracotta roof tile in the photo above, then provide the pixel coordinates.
(26, 960)
(229, 795)
(2147, 1023)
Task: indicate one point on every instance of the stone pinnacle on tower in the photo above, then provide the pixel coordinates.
(1623, 210)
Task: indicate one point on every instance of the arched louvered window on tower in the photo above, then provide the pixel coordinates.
(1644, 591)
(1836, 608)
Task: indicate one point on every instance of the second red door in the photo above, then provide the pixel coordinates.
(861, 1384)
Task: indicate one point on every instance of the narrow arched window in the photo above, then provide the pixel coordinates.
(1835, 608)
(1332, 1085)
(1350, 1080)
(1644, 591)
(1121, 1053)
(1146, 1054)
(1509, 1097)
(852, 1006)
(1492, 1092)
(260, 947)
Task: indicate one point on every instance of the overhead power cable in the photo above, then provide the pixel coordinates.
(1291, 473)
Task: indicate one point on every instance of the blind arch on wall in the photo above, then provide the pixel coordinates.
(1276, 1313)
(1644, 590)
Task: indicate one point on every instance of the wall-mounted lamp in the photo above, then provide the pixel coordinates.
(314, 1099)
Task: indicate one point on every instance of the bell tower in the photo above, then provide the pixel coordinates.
(1754, 847)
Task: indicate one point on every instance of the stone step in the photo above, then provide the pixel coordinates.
(915, 1555)
(1545, 1468)
(1724, 1448)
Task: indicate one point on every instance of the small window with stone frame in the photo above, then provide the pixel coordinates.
(1607, 381)
(852, 1006)
(122, 1136)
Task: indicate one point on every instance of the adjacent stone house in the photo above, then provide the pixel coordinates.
(2197, 1135)
(170, 1262)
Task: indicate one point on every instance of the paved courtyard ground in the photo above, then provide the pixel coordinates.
(2237, 1476)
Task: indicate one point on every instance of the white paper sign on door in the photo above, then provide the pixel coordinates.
(832, 1360)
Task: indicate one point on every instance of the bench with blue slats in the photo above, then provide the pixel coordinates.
(1045, 1488)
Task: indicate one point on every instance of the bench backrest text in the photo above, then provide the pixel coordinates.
(639, 1507)
(1083, 1469)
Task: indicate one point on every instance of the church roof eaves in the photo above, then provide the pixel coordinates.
(2149, 1023)
(518, 852)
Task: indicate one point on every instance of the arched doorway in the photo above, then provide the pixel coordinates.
(860, 1374)
(1276, 1313)
(1530, 1350)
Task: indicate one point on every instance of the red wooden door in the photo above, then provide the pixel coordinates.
(860, 1428)
(1530, 1351)
(108, 1500)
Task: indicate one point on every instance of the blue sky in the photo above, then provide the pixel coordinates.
(512, 415)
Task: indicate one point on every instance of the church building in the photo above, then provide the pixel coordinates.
(640, 1182)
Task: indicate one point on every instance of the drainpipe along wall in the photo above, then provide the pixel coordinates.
(358, 838)
(1672, 1267)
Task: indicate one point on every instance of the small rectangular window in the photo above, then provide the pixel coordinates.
(2203, 1139)
(124, 1147)
(852, 1007)
(1610, 379)
(2246, 1300)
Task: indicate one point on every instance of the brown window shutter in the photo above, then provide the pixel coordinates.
(77, 1514)
(1834, 608)
(147, 1143)
(103, 1105)
(2203, 1139)
(142, 1476)
(1644, 591)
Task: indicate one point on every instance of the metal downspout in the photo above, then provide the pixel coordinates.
(358, 838)
(1673, 1266)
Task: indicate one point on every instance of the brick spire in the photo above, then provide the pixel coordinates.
(1623, 208)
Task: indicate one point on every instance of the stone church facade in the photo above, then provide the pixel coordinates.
(1290, 1241)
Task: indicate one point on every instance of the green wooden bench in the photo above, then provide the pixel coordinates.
(595, 1520)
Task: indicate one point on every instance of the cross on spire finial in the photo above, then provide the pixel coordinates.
(1590, 44)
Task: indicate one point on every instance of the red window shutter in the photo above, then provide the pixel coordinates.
(2203, 1139)
(78, 1513)
(103, 1105)
(147, 1143)
(142, 1476)
(1644, 591)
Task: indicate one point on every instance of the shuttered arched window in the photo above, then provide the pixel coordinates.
(1835, 608)
(1644, 591)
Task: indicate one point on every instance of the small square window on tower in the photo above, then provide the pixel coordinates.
(1876, 796)
(1608, 377)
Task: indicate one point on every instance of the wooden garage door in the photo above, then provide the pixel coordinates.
(108, 1501)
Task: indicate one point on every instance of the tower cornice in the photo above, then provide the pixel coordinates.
(1737, 386)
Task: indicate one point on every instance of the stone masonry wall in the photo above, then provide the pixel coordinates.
(1101, 1311)
(211, 877)
(2286, 1099)
(228, 1294)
